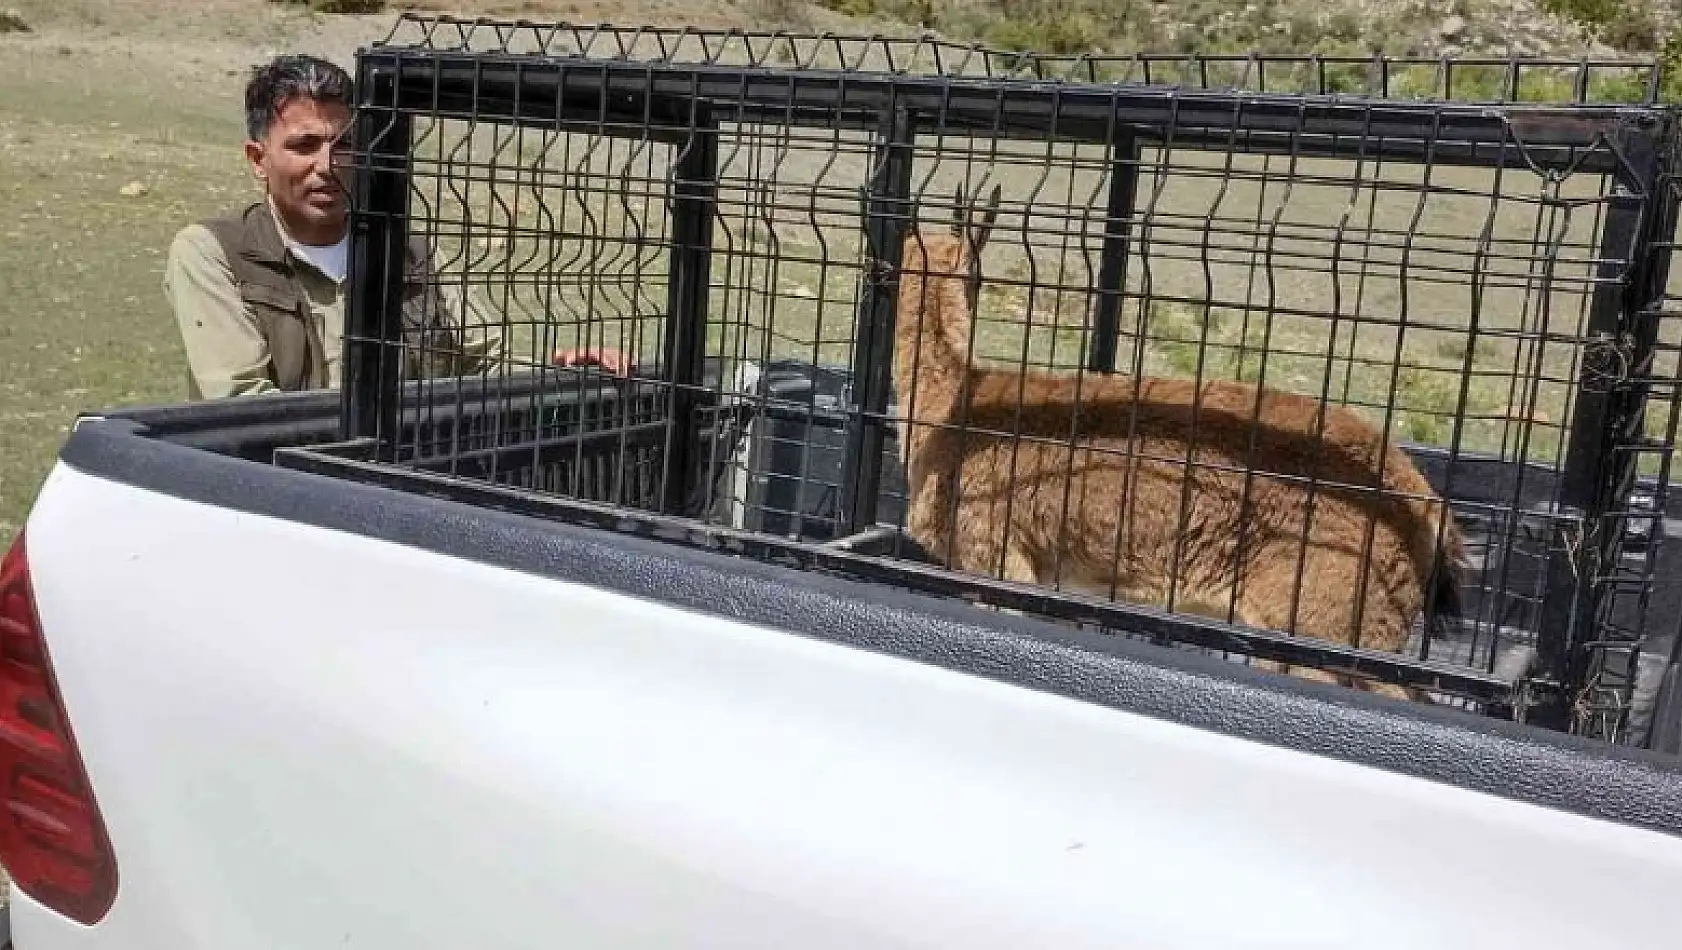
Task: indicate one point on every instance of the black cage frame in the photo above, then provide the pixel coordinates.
(594, 88)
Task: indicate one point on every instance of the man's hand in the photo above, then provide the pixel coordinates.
(612, 360)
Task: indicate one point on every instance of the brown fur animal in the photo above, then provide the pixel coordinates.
(1082, 481)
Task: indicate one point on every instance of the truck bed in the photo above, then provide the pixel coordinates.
(320, 713)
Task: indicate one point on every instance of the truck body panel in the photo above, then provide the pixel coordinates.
(320, 714)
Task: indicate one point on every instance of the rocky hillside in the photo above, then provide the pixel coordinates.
(1407, 27)
(1348, 27)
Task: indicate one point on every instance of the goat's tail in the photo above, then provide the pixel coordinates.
(1439, 545)
(1443, 601)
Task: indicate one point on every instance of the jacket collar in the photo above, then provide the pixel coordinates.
(267, 245)
(268, 248)
(264, 244)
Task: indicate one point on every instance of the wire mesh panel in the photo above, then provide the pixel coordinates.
(1464, 78)
(1370, 389)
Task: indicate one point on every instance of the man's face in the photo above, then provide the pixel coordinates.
(295, 160)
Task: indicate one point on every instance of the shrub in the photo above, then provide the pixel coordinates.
(850, 7)
(1077, 33)
(916, 12)
(773, 14)
(1626, 24)
(339, 6)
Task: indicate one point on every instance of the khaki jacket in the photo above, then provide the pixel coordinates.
(256, 318)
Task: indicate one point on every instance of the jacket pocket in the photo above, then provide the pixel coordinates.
(281, 316)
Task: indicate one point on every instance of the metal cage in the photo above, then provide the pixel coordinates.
(1481, 280)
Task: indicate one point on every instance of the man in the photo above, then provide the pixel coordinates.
(259, 293)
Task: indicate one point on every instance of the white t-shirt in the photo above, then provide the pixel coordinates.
(331, 259)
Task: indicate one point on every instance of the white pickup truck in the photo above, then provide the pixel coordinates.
(251, 706)
(306, 671)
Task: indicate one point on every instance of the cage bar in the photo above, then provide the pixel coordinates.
(1577, 568)
(1553, 136)
(1112, 277)
(379, 223)
(889, 210)
(686, 333)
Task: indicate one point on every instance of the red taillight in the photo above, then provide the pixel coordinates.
(52, 840)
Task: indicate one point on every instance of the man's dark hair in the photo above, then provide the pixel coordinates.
(285, 77)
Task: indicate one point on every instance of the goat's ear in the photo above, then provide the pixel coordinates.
(980, 232)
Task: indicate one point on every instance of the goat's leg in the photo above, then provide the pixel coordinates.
(1018, 566)
(1405, 693)
(1310, 597)
(1317, 601)
(1390, 690)
(1390, 601)
(1324, 609)
(1300, 672)
(989, 553)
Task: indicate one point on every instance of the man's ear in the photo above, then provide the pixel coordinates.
(254, 155)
